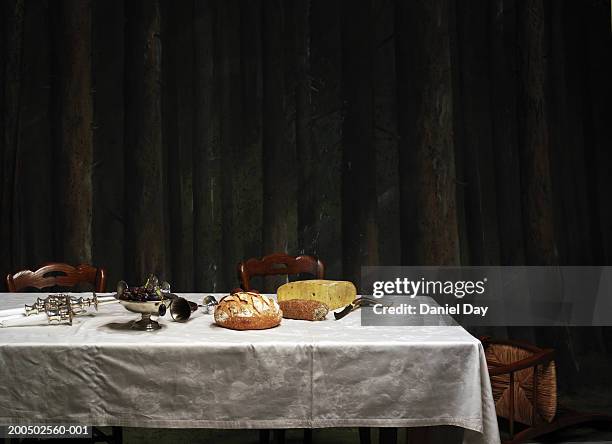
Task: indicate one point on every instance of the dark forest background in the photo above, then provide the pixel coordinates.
(179, 137)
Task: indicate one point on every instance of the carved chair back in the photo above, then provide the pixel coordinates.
(278, 264)
(57, 275)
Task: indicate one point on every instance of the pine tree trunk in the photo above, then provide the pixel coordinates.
(326, 124)
(598, 95)
(144, 219)
(247, 165)
(504, 87)
(505, 131)
(308, 186)
(229, 91)
(535, 137)
(207, 174)
(535, 154)
(425, 118)
(473, 109)
(386, 138)
(178, 138)
(108, 173)
(359, 205)
(35, 205)
(75, 156)
(13, 29)
(279, 157)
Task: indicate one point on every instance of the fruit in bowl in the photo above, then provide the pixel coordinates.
(152, 290)
(152, 299)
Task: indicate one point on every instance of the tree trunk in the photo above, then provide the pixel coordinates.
(3, 51)
(279, 157)
(425, 117)
(308, 187)
(386, 138)
(108, 172)
(568, 163)
(207, 174)
(144, 234)
(459, 129)
(359, 206)
(326, 124)
(178, 104)
(34, 204)
(598, 95)
(504, 87)
(570, 171)
(231, 136)
(289, 50)
(474, 142)
(505, 131)
(75, 155)
(247, 165)
(535, 143)
(473, 109)
(535, 126)
(594, 16)
(14, 15)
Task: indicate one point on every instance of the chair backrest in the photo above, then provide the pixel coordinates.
(520, 405)
(57, 274)
(278, 264)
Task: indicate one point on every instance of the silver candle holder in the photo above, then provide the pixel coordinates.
(58, 308)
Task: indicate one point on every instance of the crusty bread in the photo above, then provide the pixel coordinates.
(247, 311)
(303, 309)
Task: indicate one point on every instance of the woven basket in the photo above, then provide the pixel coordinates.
(546, 403)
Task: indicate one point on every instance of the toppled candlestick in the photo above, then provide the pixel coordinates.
(57, 308)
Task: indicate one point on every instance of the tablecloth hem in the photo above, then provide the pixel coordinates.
(474, 424)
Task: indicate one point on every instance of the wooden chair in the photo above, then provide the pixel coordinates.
(278, 264)
(524, 385)
(57, 274)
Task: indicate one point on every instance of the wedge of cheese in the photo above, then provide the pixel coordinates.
(334, 294)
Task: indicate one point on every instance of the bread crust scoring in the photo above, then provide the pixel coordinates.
(248, 310)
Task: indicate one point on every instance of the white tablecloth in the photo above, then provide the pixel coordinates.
(301, 374)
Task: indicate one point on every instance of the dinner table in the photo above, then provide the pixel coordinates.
(98, 371)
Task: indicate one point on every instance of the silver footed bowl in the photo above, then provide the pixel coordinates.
(148, 300)
(149, 307)
(146, 309)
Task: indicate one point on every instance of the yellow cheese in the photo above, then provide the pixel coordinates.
(334, 294)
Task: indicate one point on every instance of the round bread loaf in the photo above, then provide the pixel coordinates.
(246, 310)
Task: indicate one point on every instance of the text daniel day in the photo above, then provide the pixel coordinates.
(408, 309)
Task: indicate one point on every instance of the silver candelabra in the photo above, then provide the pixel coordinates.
(57, 308)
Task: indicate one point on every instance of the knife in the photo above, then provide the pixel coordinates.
(357, 303)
